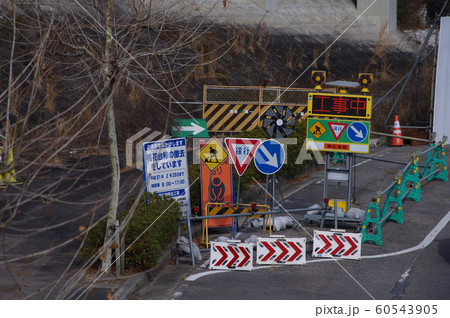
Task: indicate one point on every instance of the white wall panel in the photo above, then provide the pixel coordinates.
(441, 117)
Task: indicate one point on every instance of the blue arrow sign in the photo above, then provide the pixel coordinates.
(269, 156)
(357, 131)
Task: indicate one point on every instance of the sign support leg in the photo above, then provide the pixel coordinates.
(266, 190)
(335, 214)
(265, 201)
(281, 193)
(273, 192)
(191, 244)
(325, 179)
(350, 158)
(322, 221)
(236, 220)
(205, 224)
(325, 187)
(239, 186)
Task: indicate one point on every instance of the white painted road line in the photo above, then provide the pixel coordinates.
(426, 241)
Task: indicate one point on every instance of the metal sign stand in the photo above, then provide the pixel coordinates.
(205, 226)
(191, 243)
(274, 181)
(266, 189)
(238, 188)
(265, 200)
(271, 182)
(339, 174)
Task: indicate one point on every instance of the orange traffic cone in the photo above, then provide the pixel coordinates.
(398, 132)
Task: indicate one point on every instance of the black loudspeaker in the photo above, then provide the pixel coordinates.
(365, 80)
(318, 78)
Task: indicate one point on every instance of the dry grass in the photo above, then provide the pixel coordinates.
(289, 59)
(379, 63)
(133, 96)
(316, 54)
(326, 61)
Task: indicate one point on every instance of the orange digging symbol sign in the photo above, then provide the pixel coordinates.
(212, 154)
(216, 186)
(317, 130)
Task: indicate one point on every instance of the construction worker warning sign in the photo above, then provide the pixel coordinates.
(212, 154)
(317, 129)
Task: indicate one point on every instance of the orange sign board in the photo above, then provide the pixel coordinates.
(337, 147)
(217, 186)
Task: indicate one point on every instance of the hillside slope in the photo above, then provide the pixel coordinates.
(240, 44)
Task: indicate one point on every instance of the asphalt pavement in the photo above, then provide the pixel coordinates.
(39, 247)
(412, 263)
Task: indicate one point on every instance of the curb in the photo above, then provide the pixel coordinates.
(129, 289)
(132, 285)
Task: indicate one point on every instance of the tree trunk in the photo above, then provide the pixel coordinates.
(108, 75)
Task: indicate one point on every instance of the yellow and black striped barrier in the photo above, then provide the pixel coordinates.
(241, 108)
(231, 117)
(218, 210)
(236, 209)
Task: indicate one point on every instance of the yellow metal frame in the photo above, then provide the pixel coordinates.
(340, 204)
(368, 108)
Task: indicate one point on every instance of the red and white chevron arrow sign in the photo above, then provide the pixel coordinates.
(335, 244)
(236, 256)
(287, 251)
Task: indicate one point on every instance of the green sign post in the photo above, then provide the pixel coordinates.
(338, 135)
(189, 127)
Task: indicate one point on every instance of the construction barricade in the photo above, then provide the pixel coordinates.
(407, 184)
(221, 210)
(242, 108)
(281, 251)
(337, 244)
(231, 255)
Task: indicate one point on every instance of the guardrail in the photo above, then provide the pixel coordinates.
(407, 184)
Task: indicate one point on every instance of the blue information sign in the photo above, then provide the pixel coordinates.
(166, 170)
(357, 131)
(269, 156)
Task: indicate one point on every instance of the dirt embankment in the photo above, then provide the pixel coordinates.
(224, 55)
